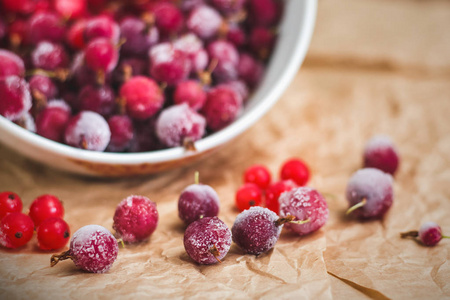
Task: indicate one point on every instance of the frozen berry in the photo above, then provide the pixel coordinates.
(261, 41)
(179, 125)
(45, 207)
(135, 219)
(250, 70)
(88, 130)
(369, 193)
(92, 248)
(16, 229)
(429, 234)
(52, 121)
(207, 240)
(42, 88)
(381, 153)
(227, 58)
(53, 234)
(228, 6)
(257, 229)
(138, 36)
(70, 9)
(102, 27)
(247, 196)
(168, 18)
(122, 133)
(259, 175)
(15, 98)
(142, 96)
(263, 12)
(168, 65)
(9, 202)
(190, 92)
(45, 26)
(296, 170)
(204, 21)
(192, 47)
(27, 122)
(98, 99)
(222, 107)
(198, 201)
(101, 56)
(49, 56)
(75, 35)
(10, 64)
(238, 86)
(305, 204)
(274, 191)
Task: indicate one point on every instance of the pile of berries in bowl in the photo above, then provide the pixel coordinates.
(116, 88)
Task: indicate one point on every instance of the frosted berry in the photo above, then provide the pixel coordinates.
(257, 229)
(207, 240)
(101, 56)
(98, 99)
(305, 204)
(274, 191)
(239, 87)
(45, 26)
(52, 121)
(190, 92)
(222, 107)
(45, 207)
(135, 219)
(429, 234)
(381, 153)
(227, 58)
(296, 170)
(179, 125)
(49, 56)
(138, 36)
(15, 98)
(11, 64)
(263, 12)
(259, 175)
(122, 133)
(228, 6)
(168, 65)
(27, 122)
(9, 202)
(42, 88)
(168, 18)
(369, 193)
(88, 130)
(250, 70)
(198, 201)
(53, 234)
(261, 41)
(142, 96)
(102, 27)
(92, 248)
(16, 229)
(247, 196)
(204, 21)
(192, 47)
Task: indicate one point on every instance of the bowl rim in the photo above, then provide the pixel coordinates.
(207, 143)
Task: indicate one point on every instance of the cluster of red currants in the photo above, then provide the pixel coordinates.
(45, 215)
(131, 76)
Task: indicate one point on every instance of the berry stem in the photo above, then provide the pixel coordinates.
(446, 237)
(413, 233)
(120, 241)
(356, 206)
(214, 251)
(196, 177)
(56, 258)
(290, 219)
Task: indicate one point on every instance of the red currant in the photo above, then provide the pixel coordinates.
(9, 202)
(45, 207)
(296, 170)
(274, 191)
(248, 195)
(52, 234)
(258, 175)
(16, 229)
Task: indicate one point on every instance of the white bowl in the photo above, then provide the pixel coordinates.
(294, 36)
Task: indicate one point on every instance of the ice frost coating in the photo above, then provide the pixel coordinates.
(92, 248)
(198, 200)
(15, 97)
(255, 230)
(207, 240)
(373, 189)
(135, 219)
(304, 203)
(380, 153)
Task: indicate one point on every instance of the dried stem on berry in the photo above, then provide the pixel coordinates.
(413, 234)
(356, 206)
(56, 258)
(120, 241)
(205, 76)
(290, 219)
(214, 251)
(189, 145)
(196, 177)
(59, 74)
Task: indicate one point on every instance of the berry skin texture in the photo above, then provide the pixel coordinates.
(49, 56)
(88, 130)
(143, 97)
(204, 21)
(100, 100)
(304, 203)
(258, 175)
(53, 234)
(15, 97)
(101, 55)
(52, 120)
(247, 196)
(207, 240)
(369, 193)
(178, 125)
(169, 65)
(122, 133)
(92, 248)
(222, 107)
(196, 201)
(9, 202)
(135, 219)
(190, 92)
(429, 234)
(380, 153)
(45, 207)
(10, 64)
(296, 170)
(274, 191)
(16, 229)
(255, 230)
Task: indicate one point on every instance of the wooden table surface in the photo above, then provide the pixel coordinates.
(374, 66)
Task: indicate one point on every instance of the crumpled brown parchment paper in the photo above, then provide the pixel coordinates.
(394, 82)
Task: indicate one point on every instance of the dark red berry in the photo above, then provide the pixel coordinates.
(429, 234)
(52, 121)
(9, 202)
(53, 234)
(259, 175)
(122, 133)
(381, 153)
(45, 207)
(16, 229)
(247, 196)
(296, 170)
